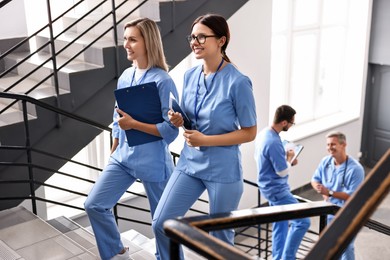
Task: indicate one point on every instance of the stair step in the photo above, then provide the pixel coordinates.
(75, 232)
(85, 237)
(44, 90)
(43, 57)
(93, 54)
(150, 9)
(37, 59)
(14, 114)
(32, 238)
(7, 253)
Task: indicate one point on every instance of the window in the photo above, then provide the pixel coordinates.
(312, 68)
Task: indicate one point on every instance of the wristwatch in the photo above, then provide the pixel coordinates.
(330, 193)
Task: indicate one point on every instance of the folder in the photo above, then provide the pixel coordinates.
(176, 108)
(142, 102)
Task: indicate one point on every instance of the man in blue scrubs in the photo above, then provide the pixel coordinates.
(273, 164)
(337, 176)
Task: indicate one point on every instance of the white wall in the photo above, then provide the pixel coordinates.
(250, 51)
(15, 26)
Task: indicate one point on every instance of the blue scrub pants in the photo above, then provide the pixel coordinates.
(108, 189)
(349, 252)
(285, 240)
(181, 193)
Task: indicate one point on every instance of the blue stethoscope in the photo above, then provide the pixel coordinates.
(344, 172)
(196, 111)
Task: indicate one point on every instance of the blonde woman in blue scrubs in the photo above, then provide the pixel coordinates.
(218, 99)
(151, 162)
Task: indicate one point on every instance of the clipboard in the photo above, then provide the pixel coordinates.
(143, 103)
(296, 147)
(176, 108)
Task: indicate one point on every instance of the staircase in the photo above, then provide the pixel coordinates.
(80, 79)
(23, 235)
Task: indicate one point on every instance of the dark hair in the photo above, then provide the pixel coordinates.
(284, 112)
(219, 26)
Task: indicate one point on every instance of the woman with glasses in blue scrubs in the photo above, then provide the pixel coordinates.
(218, 99)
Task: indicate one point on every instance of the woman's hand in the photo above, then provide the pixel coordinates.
(125, 121)
(175, 118)
(194, 138)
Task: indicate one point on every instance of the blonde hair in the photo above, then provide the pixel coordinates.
(153, 43)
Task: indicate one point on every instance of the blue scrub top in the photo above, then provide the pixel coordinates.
(345, 178)
(270, 157)
(228, 104)
(151, 161)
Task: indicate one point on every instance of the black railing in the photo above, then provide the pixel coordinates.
(4, 2)
(30, 151)
(252, 217)
(192, 231)
(56, 67)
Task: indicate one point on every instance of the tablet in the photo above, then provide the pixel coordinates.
(297, 148)
(176, 108)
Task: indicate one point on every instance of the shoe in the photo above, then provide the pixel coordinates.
(124, 256)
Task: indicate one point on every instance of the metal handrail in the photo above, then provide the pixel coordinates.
(4, 2)
(60, 111)
(192, 231)
(30, 165)
(55, 53)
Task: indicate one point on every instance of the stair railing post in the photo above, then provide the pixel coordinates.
(29, 158)
(174, 250)
(116, 213)
(258, 226)
(114, 21)
(173, 13)
(323, 222)
(54, 60)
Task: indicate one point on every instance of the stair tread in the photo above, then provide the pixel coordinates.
(83, 40)
(39, 58)
(33, 238)
(44, 90)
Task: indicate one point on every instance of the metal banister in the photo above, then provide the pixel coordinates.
(54, 109)
(191, 231)
(355, 213)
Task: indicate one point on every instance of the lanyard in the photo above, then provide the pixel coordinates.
(196, 111)
(140, 80)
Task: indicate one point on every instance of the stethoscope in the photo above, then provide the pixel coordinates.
(344, 172)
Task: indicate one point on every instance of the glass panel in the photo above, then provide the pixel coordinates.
(330, 71)
(306, 12)
(335, 12)
(303, 71)
(279, 63)
(280, 15)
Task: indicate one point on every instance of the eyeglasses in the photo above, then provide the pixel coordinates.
(292, 123)
(201, 38)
